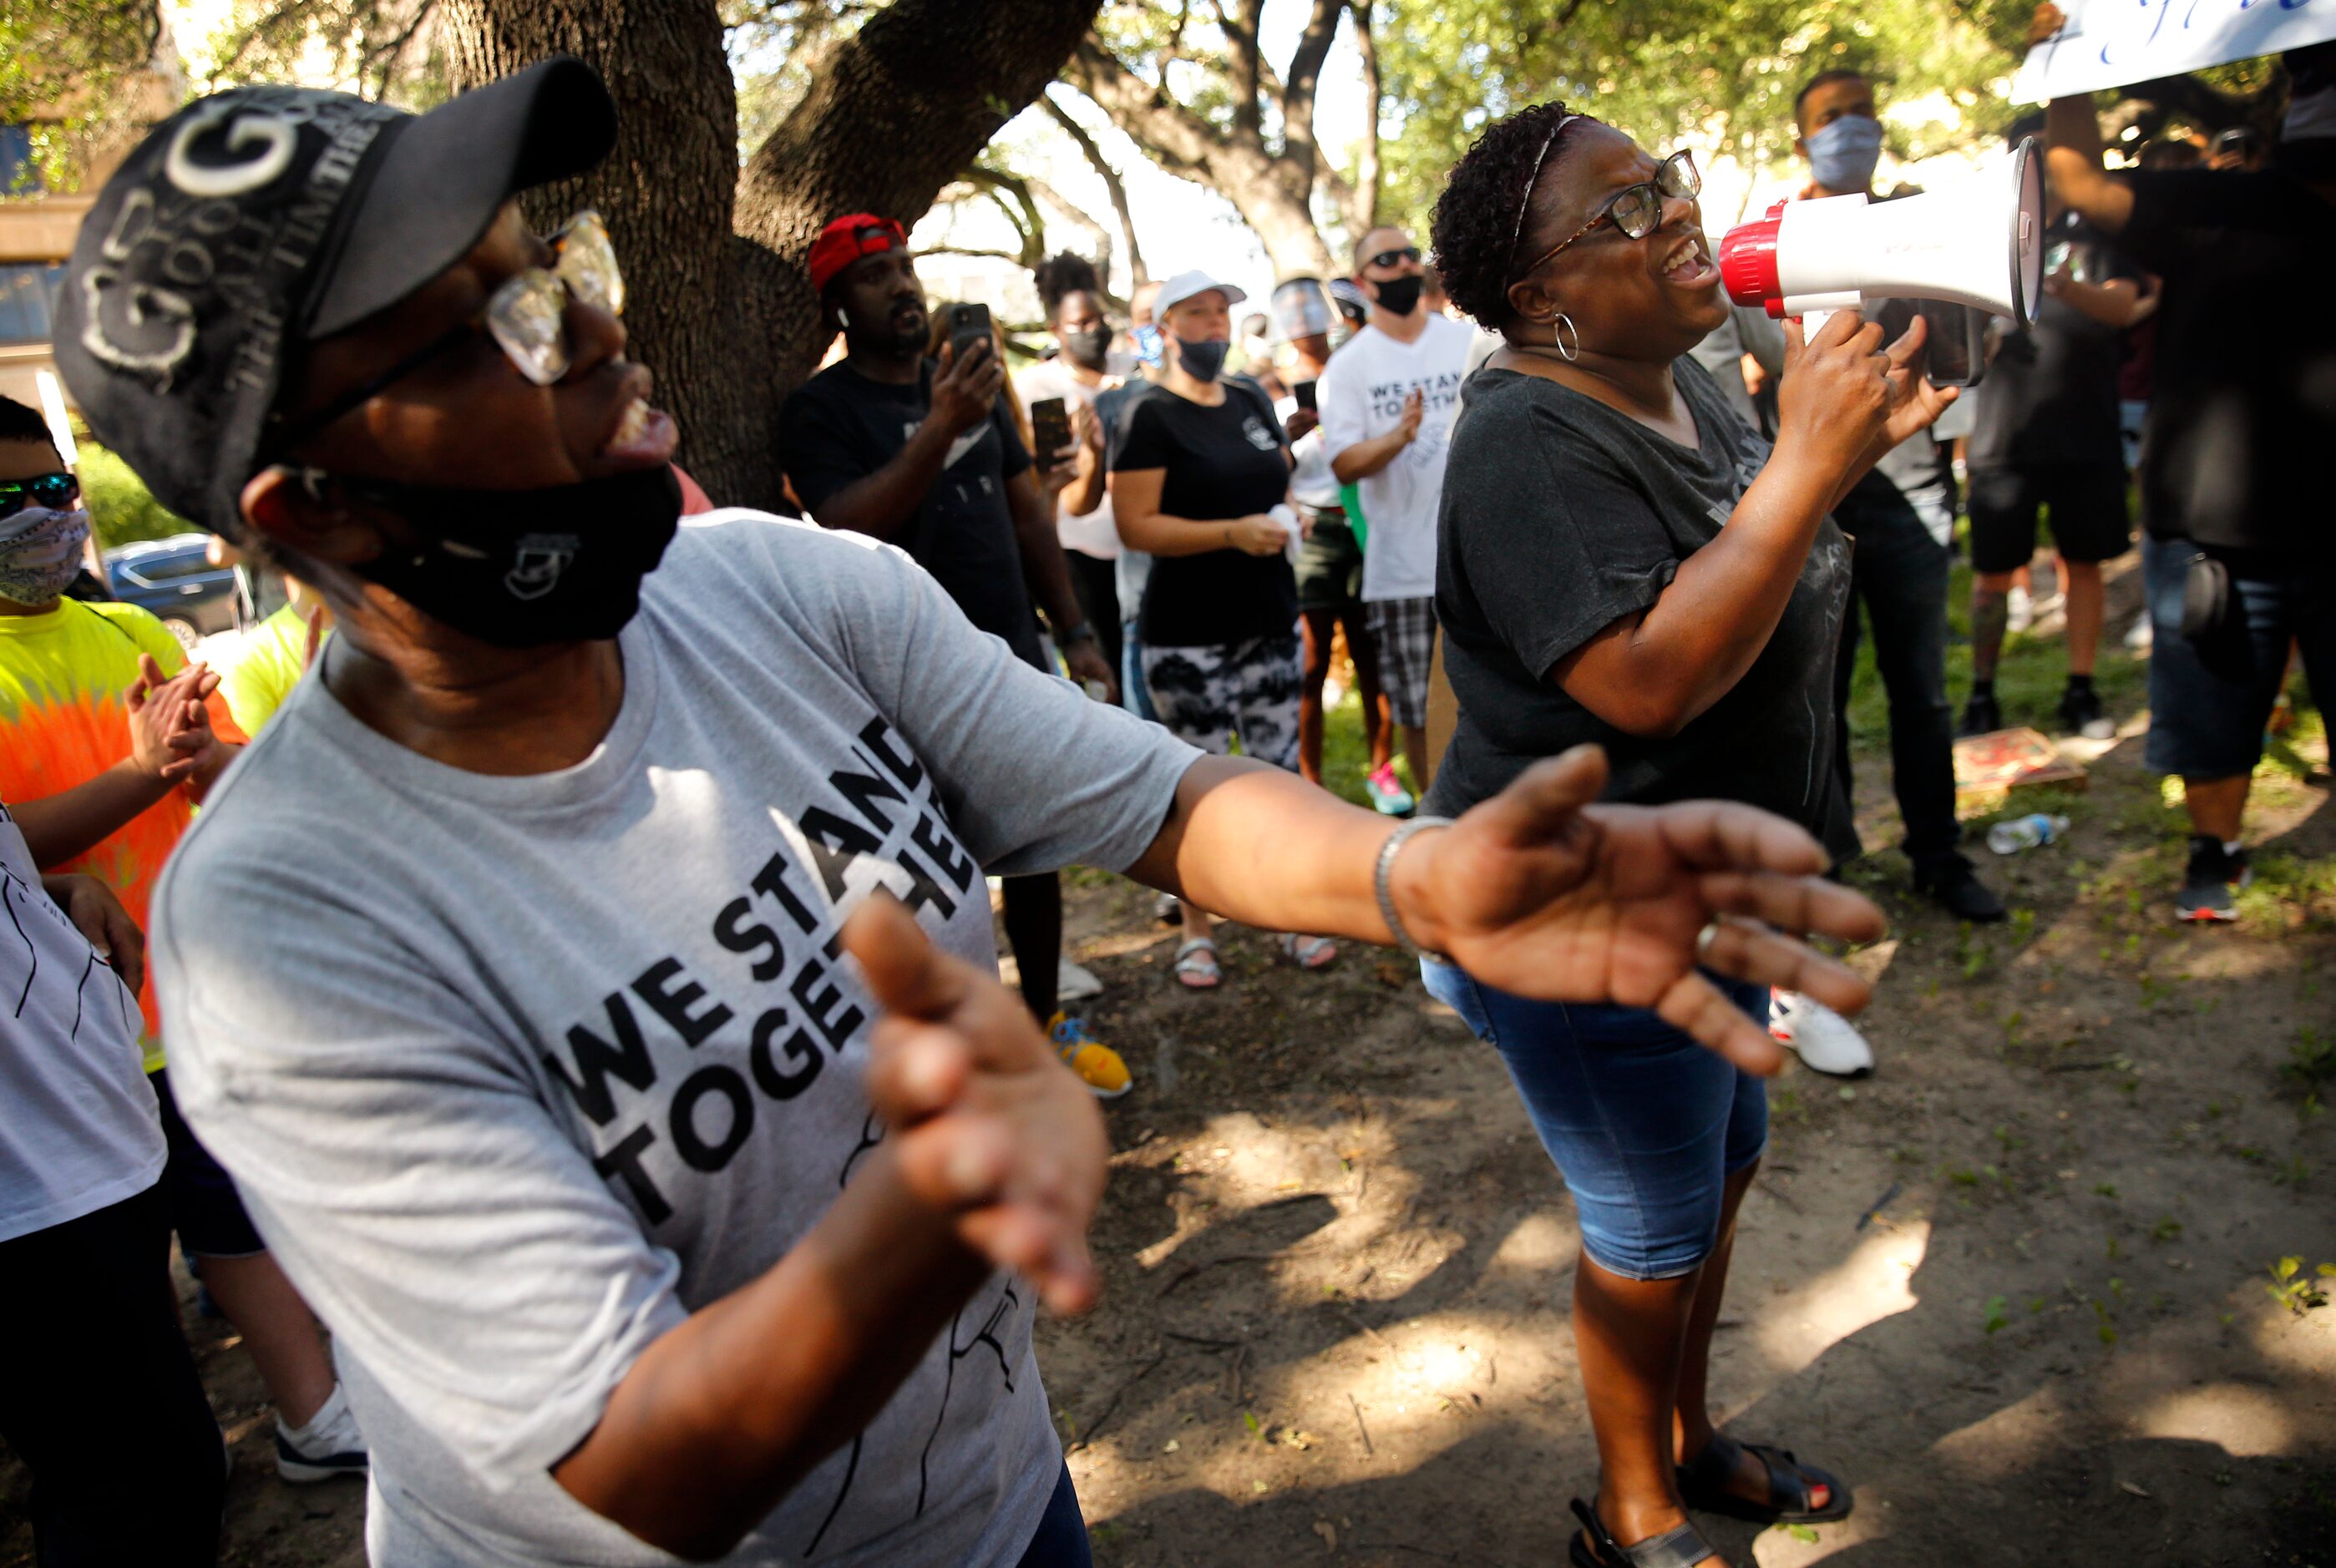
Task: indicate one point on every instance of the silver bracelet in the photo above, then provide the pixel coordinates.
(1384, 870)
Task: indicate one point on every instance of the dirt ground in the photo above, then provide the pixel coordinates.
(2019, 1287)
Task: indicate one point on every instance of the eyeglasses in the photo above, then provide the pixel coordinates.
(1392, 257)
(55, 492)
(527, 315)
(1637, 210)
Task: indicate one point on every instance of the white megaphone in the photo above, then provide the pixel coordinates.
(1978, 242)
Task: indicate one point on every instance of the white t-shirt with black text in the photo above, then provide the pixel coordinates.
(1362, 395)
(516, 1073)
(79, 1130)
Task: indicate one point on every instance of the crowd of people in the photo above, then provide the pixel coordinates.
(589, 1092)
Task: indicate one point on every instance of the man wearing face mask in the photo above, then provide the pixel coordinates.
(2238, 555)
(1902, 516)
(924, 454)
(108, 738)
(1388, 400)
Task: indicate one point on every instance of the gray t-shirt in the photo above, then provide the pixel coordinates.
(514, 1073)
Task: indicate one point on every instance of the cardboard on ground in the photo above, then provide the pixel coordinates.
(1992, 764)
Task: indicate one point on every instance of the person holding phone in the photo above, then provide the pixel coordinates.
(1072, 296)
(1623, 560)
(1203, 467)
(924, 453)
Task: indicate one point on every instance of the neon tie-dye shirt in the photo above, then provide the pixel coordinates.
(65, 719)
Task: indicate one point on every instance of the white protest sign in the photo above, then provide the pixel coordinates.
(2117, 43)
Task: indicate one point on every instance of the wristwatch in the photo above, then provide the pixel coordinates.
(1082, 633)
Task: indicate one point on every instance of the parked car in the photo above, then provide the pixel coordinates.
(175, 579)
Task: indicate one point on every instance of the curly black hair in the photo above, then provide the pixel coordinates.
(1474, 231)
(1063, 275)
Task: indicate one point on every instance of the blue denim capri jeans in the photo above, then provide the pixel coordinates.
(1646, 1124)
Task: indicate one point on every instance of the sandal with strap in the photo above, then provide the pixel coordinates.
(1678, 1547)
(1703, 1486)
(1308, 952)
(1196, 965)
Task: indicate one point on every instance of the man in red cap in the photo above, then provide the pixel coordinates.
(925, 454)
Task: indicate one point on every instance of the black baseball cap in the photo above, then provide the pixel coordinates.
(255, 221)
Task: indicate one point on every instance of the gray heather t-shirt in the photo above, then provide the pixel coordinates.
(514, 1073)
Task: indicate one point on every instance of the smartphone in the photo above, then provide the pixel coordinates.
(967, 324)
(1303, 391)
(1050, 429)
(1954, 348)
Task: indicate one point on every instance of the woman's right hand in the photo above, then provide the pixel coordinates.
(1836, 396)
(1257, 535)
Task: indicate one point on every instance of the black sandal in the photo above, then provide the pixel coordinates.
(1679, 1547)
(1703, 1486)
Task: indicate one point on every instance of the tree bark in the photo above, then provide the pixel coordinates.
(1137, 276)
(718, 303)
(1273, 192)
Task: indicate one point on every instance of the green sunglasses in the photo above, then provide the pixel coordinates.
(55, 492)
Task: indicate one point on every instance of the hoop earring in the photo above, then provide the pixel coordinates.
(1561, 329)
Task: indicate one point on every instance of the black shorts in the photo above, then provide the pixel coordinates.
(205, 1208)
(1329, 567)
(2088, 507)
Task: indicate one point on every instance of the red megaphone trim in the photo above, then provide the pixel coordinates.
(1748, 262)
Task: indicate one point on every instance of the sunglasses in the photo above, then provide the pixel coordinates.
(527, 315)
(55, 492)
(1637, 210)
(1392, 257)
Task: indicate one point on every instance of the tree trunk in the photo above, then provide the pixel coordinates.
(718, 303)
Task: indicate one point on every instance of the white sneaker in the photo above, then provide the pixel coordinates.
(330, 1444)
(2140, 634)
(2018, 611)
(1824, 1041)
(1076, 982)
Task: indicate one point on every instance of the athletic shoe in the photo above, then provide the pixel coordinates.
(1824, 1041)
(1097, 1065)
(2081, 713)
(1076, 982)
(2141, 633)
(2018, 610)
(1387, 792)
(1981, 716)
(2214, 875)
(1954, 886)
(330, 1444)
(1166, 911)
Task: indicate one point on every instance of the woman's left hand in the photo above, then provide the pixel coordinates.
(1539, 891)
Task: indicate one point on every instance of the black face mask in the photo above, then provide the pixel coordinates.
(1399, 294)
(1087, 345)
(1201, 358)
(524, 569)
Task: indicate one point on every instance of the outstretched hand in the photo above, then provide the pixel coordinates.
(1542, 892)
(988, 1126)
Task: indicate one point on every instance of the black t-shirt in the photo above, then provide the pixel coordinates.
(2049, 399)
(1225, 461)
(839, 427)
(1561, 517)
(1915, 471)
(2242, 410)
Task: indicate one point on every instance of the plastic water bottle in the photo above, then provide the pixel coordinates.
(2025, 832)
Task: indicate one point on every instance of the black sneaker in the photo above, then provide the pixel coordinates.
(2081, 713)
(1981, 716)
(2210, 886)
(1954, 886)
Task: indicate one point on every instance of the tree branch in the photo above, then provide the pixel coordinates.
(1176, 137)
(1297, 95)
(1112, 182)
(1246, 57)
(1365, 208)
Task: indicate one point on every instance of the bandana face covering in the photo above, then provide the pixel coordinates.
(40, 551)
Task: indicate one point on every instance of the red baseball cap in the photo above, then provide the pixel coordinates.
(847, 239)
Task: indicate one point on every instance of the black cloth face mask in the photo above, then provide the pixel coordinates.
(1400, 295)
(1087, 346)
(526, 568)
(1201, 358)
